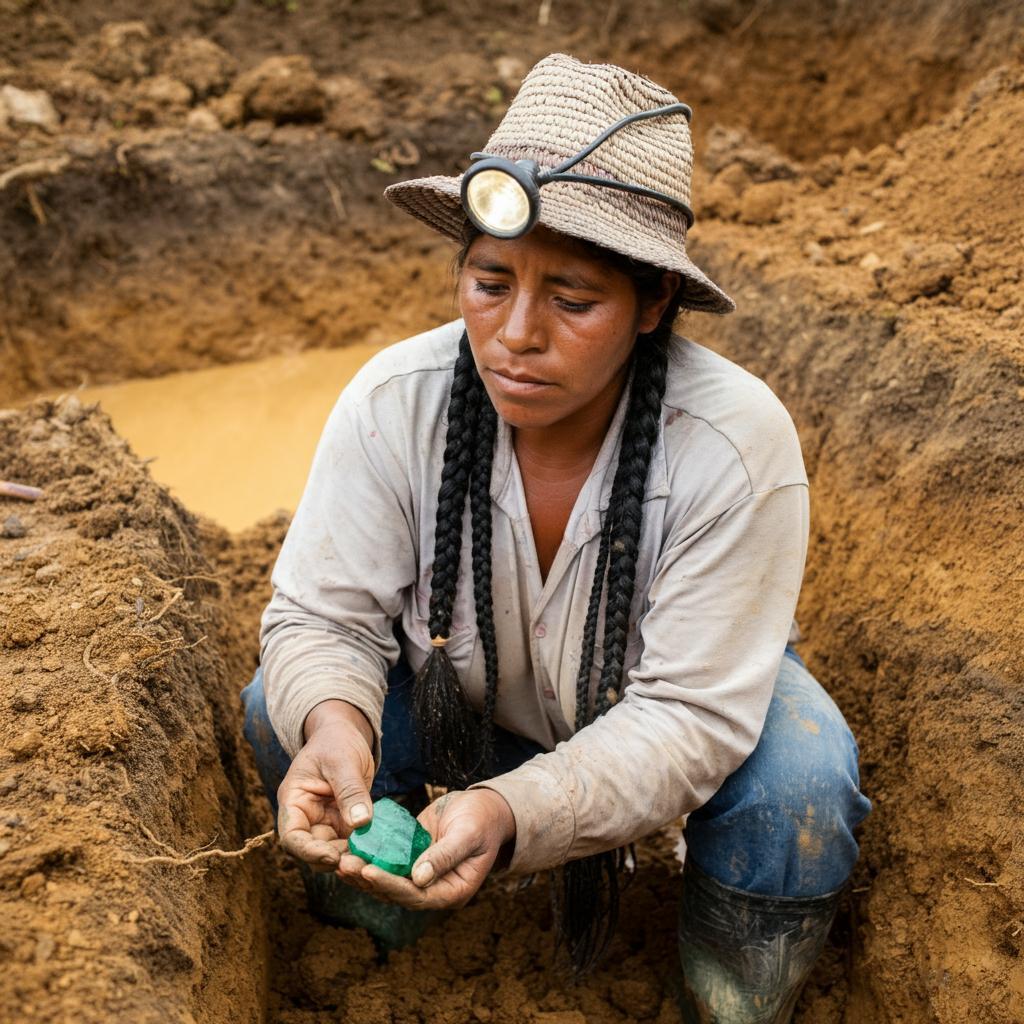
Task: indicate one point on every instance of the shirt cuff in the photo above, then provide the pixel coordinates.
(543, 810)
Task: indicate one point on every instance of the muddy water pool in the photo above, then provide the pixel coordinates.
(233, 442)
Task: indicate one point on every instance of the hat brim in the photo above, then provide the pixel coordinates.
(599, 215)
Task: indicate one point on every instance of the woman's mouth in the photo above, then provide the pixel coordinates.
(517, 384)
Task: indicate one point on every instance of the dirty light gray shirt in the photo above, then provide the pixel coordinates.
(721, 557)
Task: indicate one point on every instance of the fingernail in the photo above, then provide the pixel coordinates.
(359, 813)
(423, 873)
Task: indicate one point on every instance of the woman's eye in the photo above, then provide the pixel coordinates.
(489, 287)
(574, 307)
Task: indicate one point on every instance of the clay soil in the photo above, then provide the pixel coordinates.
(858, 191)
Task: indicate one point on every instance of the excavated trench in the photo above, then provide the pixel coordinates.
(857, 193)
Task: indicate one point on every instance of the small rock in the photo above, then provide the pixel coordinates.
(872, 261)
(48, 573)
(70, 410)
(45, 946)
(205, 67)
(760, 160)
(27, 699)
(76, 939)
(827, 169)
(51, 663)
(720, 200)
(5, 846)
(353, 109)
(927, 271)
(872, 228)
(25, 745)
(13, 528)
(855, 161)
(158, 97)
(100, 522)
(8, 784)
(122, 50)
(282, 89)
(259, 132)
(1011, 316)
(31, 884)
(762, 202)
(31, 107)
(815, 253)
(202, 119)
(229, 109)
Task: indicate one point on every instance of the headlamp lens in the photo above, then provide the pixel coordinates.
(498, 202)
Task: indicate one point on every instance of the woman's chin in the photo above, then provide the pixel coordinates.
(529, 412)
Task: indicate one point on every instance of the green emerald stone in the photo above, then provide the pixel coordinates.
(393, 839)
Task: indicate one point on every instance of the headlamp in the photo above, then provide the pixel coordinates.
(502, 197)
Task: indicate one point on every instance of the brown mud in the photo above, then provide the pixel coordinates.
(858, 193)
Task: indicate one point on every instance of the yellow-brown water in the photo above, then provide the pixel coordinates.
(233, 442)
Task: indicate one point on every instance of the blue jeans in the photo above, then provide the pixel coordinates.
(781, 825)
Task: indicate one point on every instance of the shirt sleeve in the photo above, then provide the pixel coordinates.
(338, 582)
(720, 610)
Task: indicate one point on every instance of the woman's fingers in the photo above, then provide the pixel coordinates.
(350, 793)
(395, 889)
(444, 855)
(297, 839)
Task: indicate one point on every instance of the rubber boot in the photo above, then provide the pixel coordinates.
(745, 957)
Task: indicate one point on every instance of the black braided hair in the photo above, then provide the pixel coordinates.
(458, 746)
(586, 896)
(449, 733)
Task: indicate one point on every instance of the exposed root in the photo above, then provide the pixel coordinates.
(109, 680)
(175, 647)
(178, 860)
(174, 598)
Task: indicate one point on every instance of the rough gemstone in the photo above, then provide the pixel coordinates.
(393, 839)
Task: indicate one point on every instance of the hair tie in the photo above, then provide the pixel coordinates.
(439, 641)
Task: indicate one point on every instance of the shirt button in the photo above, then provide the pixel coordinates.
(540, 630)
(549, 693)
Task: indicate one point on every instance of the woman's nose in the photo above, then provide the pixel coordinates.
(522, 329)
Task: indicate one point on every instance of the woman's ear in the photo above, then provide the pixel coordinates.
(654, 306)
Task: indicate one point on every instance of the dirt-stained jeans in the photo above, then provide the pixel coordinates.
(782, 824)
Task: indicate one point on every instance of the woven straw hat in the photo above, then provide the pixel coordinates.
(562, 105)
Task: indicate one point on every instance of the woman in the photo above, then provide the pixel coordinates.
(609, 650)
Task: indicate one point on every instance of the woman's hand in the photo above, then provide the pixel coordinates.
(326, 793)
(468, 828)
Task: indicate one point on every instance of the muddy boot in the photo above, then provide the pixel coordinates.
(744, 956)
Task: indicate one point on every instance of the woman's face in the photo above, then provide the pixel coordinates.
(550, 326)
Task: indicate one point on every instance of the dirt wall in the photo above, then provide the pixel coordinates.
(119, 740)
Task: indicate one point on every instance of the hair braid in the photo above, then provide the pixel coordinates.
(586, 898)
(449, 728)
(626, 509)
(480, 510)
(463, 407)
